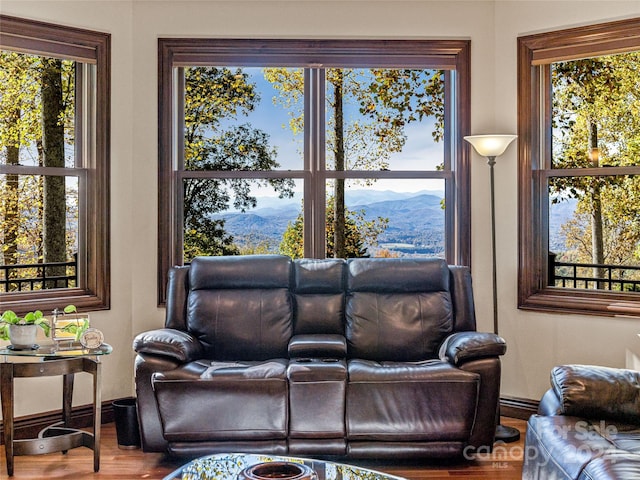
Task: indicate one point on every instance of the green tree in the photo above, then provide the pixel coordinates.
(19, 128)
(387, 99)
(359, 232)
(214, 100)
(595, 121)
(620, 240)
(36, 106)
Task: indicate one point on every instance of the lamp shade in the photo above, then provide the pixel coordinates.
(490, 145)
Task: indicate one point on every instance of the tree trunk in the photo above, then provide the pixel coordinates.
(54, 186)
(10, 199)
(40, 187)
(339, 249)
(597, 242)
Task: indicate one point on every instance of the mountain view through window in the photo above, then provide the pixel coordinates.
(383, 139)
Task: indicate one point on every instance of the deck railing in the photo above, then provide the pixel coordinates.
(581, 275)
(38, 276)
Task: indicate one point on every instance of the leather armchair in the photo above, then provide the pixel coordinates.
(588, 426)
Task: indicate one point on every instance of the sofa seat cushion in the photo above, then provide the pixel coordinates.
(417, 401)
(624, 437)
(612, 466)
(208, 401)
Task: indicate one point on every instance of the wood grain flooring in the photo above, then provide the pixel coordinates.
(505, 463)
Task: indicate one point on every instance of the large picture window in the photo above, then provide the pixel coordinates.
(54, 166)
(313, 149)
(580, 170)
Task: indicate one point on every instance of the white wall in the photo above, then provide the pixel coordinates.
(536, 341)
(40, 395)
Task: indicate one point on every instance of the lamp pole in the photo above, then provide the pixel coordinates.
(503, 433)
(492, 146)
(491, 162)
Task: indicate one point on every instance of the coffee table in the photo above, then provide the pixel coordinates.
(227, 466)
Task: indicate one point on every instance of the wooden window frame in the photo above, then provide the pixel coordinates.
(535, 54)
(91, 47)
(449, 55)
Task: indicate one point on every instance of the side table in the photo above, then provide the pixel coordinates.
(46, 361)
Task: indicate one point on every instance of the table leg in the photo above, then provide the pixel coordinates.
(97, 414)
(6, 392)
(67, 397)
(67, 400)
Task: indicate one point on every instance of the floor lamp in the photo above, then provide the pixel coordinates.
(492, 146)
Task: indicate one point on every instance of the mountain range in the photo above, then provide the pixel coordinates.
(415, 221)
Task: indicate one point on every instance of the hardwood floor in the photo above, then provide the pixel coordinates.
(505, 463)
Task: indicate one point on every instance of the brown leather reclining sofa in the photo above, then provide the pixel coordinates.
(357, 358)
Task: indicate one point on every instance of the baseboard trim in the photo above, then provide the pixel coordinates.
(515, 407)
(81, 417)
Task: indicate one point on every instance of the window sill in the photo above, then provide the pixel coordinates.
(555, 300)
(22, 302)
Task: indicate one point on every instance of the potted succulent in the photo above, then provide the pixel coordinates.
(22, 331)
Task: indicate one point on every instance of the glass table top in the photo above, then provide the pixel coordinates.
(227, 466)
(53, 351)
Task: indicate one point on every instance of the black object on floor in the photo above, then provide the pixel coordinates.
(126, 419)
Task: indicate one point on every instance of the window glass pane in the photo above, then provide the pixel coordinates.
(37, 102)
(243, 118)
(39, 218)
(384, 119)
(38, 214)
(240, 216)
(387, 218)
(596, 112)
(594, 232)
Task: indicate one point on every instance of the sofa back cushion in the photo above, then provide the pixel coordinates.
(240, 307)
(318, 296)
(598, 392)
(397, 309)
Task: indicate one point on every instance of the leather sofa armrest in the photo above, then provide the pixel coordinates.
(462, 347)
(550, 405)
(318, 345)
(167, 342)
(597, 392)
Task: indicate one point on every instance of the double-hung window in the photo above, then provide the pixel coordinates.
(54, 166)
(317, 149)
(579, 169)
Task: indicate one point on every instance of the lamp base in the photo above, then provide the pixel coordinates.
(506, 434)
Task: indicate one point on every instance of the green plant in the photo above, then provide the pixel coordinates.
(9, 317)
(77, 327)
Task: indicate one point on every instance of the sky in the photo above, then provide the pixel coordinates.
(420, 152)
